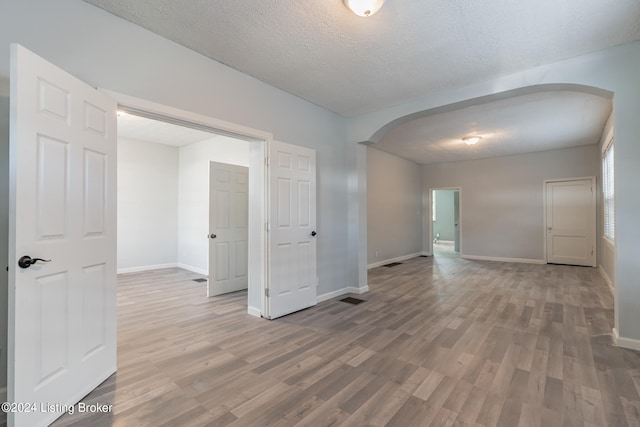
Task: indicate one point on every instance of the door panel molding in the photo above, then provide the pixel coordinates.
(292, 276)
(228, 222)
(62, 312)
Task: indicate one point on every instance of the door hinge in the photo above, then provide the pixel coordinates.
(591, 251)
(266, 160)
(266, 292)
(266, 227)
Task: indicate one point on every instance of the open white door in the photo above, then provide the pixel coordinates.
(292, 280)
(228, 228)
(571, 222)
(62, 313)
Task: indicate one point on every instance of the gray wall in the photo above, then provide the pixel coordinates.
(444, 223)
(501, 202)
(394, 207)
(193, 195)
(4, 233)
(147, 204)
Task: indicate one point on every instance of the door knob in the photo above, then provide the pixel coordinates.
(314, 234)
(212, 236)
(26, 261)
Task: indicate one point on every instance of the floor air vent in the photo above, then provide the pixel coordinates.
(350, 300)
(199, 280)
(393, 264)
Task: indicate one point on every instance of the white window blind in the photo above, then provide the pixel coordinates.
(433, 206)
(608, 188)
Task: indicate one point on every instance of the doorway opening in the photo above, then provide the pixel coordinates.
(258, 142)
(444, 229)
(173, 187)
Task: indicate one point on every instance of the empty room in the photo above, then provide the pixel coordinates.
(439, 213)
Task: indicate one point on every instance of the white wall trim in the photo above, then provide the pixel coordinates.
(501, 259)
(253, 311)
(340, 292)
(397, 259)
(147, 268)
(193, 269)
(625, 342)
(151, 109)
(360, 290)
(607, 279)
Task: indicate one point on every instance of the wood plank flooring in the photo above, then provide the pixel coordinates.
(438, 342)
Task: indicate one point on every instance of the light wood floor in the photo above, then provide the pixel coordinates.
(438, 342)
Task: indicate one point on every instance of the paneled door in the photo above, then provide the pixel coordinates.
(62, 242)
(571, 222)
(228, 228)
(292, 279)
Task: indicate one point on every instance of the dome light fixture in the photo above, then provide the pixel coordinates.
(471, 140)
(364, 7)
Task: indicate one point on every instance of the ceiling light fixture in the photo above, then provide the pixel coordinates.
(364, 7)
(471, 140)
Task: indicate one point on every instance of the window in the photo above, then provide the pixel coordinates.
(608, 189)
(433, 206)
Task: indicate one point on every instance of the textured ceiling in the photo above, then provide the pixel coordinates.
(149, 130)
(520, 124)
(320, 51)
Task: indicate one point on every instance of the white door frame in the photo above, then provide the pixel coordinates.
(258, 140)
(544, 210)
(430, 217)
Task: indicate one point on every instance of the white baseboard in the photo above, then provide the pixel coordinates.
(193, 269)
(356, 290)
(607, 280)
(446, 242)
(343, 291)
(629, 343)
(254, 311)
(389, 261)
(146, 268)
(499, 259)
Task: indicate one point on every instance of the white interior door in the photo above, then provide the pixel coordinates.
(292, 280)
(228, 225)
(62, 313)
(571, 222)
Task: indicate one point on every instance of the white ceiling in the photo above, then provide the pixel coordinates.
(520, 124)
(320, 51)
(149, 130)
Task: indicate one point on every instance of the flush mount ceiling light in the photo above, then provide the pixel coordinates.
(471, 140)
(364, 7)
